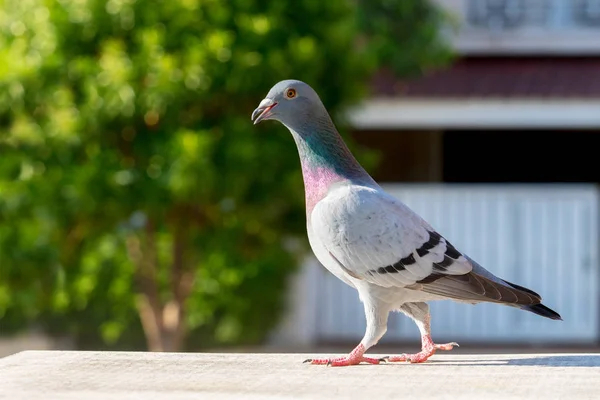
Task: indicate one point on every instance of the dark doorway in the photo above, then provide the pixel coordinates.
(526, 156)
(405, 156)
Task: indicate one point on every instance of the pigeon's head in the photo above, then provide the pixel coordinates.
(290, 102)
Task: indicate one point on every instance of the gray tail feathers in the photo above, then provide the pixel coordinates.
(542, 310)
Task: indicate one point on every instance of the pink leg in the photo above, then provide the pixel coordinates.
(419, 312)
(354, 358)
(427, 350)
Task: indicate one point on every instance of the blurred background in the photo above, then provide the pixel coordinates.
(140, 209)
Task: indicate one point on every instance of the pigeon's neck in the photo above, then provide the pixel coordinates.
(325, 160)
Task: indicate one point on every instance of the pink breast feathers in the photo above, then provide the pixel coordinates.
(317, 181)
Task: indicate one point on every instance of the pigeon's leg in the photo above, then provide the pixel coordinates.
(376, 316)
(419, 312)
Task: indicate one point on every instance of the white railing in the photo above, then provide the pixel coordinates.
(503, 15)
(541, 237)
(555, 26)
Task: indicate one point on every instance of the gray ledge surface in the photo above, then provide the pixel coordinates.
(84, 375)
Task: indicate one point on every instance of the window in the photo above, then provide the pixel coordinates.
(587, 12)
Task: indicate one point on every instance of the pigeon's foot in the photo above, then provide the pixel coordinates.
(354, 358)
(429, 349)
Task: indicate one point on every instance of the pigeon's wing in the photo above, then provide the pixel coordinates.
(476, 286)
(376, 238)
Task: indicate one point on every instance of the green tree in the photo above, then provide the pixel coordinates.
(136, 197)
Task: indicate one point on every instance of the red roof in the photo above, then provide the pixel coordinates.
(501, 77)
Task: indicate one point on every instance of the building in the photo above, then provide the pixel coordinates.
(498, 151)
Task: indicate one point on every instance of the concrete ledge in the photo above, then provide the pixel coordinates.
(61, 375)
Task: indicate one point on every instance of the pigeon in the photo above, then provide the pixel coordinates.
(372, 241)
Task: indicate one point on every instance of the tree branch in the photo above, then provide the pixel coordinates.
(143, 254)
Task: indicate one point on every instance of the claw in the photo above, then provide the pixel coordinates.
(307, 360)
(384, 359)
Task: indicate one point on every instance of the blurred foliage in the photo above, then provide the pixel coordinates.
(405, 35)
(136, 196)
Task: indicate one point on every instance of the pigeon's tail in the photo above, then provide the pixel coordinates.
(538, 309)
(542, 310)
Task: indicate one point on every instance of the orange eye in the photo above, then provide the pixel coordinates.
(290, 93)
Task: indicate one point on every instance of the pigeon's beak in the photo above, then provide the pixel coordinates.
(263, 111)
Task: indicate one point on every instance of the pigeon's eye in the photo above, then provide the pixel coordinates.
(290, 93)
